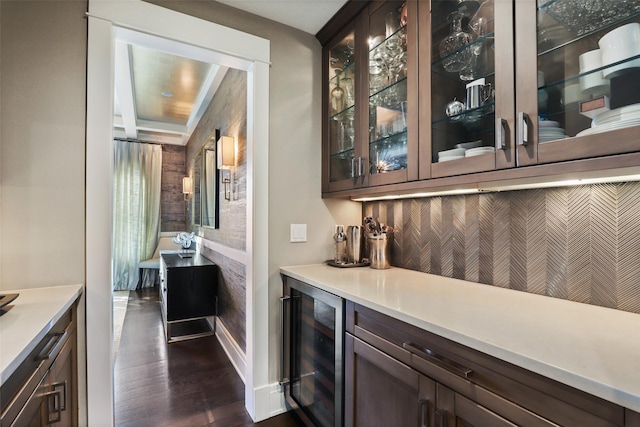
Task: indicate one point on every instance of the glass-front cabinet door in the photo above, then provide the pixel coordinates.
(471, 80)
(583, 65)
(341, 150)
(391, 93)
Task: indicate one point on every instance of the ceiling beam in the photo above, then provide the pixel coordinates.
(207, 91)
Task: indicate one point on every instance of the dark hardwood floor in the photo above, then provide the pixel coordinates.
(183, 384)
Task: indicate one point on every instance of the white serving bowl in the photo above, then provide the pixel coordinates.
(620, 44)
(592, 83)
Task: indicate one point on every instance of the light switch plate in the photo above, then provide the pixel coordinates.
(298, 233)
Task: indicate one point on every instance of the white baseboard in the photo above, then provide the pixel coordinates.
(271, 396)
(269, 401)
(232, 349)
(276, 400)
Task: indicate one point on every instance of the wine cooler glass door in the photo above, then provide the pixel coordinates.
(316, 356)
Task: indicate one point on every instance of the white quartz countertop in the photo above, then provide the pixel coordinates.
(33, 313)
(591, 348)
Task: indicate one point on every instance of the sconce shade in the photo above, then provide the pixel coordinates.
(226, 152)
(187, 185)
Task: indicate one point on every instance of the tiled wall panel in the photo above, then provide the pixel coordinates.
(577, 243)
(172, 204)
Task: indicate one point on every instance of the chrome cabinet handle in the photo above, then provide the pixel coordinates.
(63, 384)
(361, 161)
(523, 128)
(441, 416)
(353, 167)
(53, 406)
(283, 380)
(55, 340)
(424, 413)
(438, 360)
(501, 134)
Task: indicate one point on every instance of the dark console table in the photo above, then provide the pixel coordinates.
(188, 294)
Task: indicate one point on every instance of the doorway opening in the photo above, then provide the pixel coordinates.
(227, 47)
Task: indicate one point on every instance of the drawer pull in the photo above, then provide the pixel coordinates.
(438, 360)
(52, 346)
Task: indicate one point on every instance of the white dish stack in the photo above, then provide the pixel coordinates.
(618, 54)
(464, 149)
(548, 131)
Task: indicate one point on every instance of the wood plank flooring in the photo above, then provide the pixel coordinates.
(183, 384)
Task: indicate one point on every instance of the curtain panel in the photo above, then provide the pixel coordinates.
(136, 217)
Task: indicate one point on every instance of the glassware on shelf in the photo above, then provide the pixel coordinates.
(470, 72)
(455, 56)
(337, 96)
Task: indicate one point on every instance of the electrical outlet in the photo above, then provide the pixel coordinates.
(298, 233)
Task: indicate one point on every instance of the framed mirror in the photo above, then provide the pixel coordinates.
(196, 209)
(210, 177)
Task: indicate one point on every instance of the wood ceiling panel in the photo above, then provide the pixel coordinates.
(155, 73)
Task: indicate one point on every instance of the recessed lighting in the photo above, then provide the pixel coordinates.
(166, 94)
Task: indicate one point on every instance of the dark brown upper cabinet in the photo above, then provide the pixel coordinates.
(550, 85)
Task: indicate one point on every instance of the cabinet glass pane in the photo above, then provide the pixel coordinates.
(462, 79)
(341, 108)
(388, 88)
(588, 67)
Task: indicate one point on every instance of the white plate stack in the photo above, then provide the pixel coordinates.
(618, 118)
(548, 131)
(479, 151)
(454, 154)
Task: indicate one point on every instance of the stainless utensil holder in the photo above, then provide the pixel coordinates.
(380, 250)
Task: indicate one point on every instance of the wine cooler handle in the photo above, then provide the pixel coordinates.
(284, 380)
(438, 360)
(523, 128)
(501, 134)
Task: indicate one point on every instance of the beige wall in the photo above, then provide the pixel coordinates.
(42, 164)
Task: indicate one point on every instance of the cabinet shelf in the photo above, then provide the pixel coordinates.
(468, 116)
(436, 63)
(589, 22)
(572, 79)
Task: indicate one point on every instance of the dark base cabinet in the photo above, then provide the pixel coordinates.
(397, 374)
(188, 295)
(43, 389)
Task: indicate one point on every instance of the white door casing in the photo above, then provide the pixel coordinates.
(231, 48)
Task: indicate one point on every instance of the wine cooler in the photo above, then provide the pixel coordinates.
(312, 353)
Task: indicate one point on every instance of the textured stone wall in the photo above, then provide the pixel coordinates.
(227, 112)
(172, 204)
(577, 243)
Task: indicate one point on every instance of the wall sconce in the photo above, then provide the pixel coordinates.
(226, 161)
(187, 187)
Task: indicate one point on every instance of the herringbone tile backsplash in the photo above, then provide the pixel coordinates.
(578, 243)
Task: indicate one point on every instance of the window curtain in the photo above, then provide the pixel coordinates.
(136, 216)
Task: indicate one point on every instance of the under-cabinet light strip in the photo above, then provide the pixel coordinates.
(496, 187)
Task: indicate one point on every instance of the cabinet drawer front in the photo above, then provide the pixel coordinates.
(550, 399)
(379, 390)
